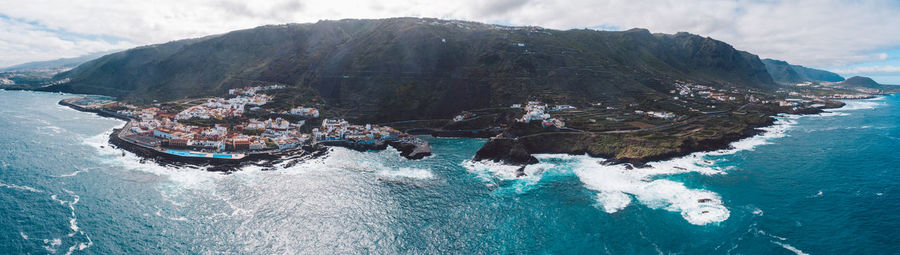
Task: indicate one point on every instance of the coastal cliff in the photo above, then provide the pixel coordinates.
(617, 148)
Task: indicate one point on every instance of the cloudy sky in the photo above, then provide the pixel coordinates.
(857, 37)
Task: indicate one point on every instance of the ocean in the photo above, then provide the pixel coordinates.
(815, 184)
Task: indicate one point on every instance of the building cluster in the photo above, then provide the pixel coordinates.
(537, 111)
(341, 130)
(866, 93)
(219, 108)
(138, 113)
(162, 128)
(250, 135)
(62, 81)
(307, 112)
(688, 89)
(249, 91)
(463, 116)
(655, 114)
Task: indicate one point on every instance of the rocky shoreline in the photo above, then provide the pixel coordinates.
(216, 165)
(407, 149)
(503, 146)
(616, 148)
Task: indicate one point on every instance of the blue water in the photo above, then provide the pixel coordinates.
(185, 153)
(823, 184)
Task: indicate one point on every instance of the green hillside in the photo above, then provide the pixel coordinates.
(785, 73)
(411, 68)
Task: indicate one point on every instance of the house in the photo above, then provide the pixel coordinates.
(564, 107)
(463, 116)
(257, 145)
(212, 144)
(240, 144)
(333, 124)
(138, 130)
(177, 142)
(284, 144)
(254, 124)
(553, 122)
(305, 112)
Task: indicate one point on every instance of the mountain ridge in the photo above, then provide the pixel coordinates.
(412, 68)
(784, 73)
(55, 63)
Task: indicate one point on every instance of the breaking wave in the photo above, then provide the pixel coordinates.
(852, 105)
(73, 225)
(616, 186)
(20, 187)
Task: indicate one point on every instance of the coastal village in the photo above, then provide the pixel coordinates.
(244, 123)
(232, 135)
(684, 100)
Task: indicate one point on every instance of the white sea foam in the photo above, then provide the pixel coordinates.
(160, 214)
(853, 105)
(20, 187)
(76, 172)
(405, 173)
(383, 163)
(73, 223)
(185, 176)
(829, 114)
(613, 182)
(819, 194)
(790, 248)
(697, 206)
(778, 240)
(779, 129)
(52, 244)
(488, 170)
(54, 129)
(613, 201)
(617, 186)
(492, 173)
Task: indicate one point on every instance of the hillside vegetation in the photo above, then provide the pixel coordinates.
(411, 68)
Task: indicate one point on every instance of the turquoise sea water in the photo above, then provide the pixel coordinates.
(823, 184)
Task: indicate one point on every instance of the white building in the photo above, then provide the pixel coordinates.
(305, 112)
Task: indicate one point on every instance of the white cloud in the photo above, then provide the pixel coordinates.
(886, 69)
(22, 42)
(807, 32)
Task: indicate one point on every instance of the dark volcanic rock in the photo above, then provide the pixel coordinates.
(508, 151)
(411, 151)
(520, 172)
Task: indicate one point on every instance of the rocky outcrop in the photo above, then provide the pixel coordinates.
(507, 151)
(412, 151)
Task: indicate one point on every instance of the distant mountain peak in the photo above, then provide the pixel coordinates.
(60, 63)
(860, 82)
(785, 73)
